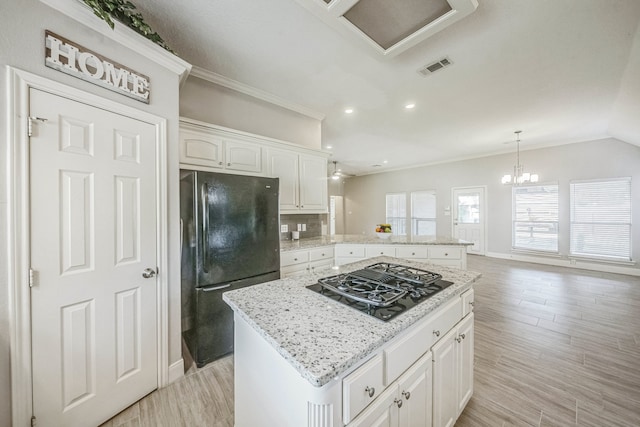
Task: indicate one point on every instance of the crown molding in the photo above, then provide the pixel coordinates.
(220, 80)
(123, 35)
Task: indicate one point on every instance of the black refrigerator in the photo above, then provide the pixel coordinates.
(230, 239)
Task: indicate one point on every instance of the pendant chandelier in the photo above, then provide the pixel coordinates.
(519, 175)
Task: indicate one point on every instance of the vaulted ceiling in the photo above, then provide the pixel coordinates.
(561, 71)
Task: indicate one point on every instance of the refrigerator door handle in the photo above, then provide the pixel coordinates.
(216, 288)
(205, 225)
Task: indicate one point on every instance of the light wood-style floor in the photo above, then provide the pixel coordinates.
(553, 347)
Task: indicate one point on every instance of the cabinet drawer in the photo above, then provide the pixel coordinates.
(320, 265)
(293, 257)
(400, 355)
(361, 387)
(412, 252)
(321, 253)
(467, 302)
(445, 252)
(350, 251)
(373, 251)
(445, 319)
(295, 270)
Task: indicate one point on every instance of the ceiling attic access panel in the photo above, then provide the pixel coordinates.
(390, 27)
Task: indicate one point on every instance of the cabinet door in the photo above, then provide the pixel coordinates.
(313, 183)
(445, 381)
(201, 149)
(284, 165)
(361, 387)
(465, 362)
(416, 392)
(243, 156)
(382, 413)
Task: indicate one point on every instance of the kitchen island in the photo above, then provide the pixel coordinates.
(298, 257)
(302, 359)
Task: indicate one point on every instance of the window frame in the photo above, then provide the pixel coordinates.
(554, 224)
(573, 253)
(413, 220)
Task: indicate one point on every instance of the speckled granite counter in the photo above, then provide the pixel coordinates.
(319, 337)
(372, 239)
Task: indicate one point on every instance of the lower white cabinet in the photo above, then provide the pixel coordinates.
(405, 403)
(453, 373)
(449, 255)
(301, 262)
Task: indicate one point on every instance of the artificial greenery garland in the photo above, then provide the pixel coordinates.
(124, 11)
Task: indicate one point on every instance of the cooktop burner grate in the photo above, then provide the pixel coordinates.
(382, 290)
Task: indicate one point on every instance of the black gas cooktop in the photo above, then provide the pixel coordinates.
(382, 290)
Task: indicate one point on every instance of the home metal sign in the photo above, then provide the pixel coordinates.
(71, 58)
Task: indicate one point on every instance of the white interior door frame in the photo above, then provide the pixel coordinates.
(18, 234)
(485, 212)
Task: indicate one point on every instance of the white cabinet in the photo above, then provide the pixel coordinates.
(449, 255)
(349, 253)
(303, 180)
(200, 146)
(453, 373)
(361, 387)
(405, 403)
(301, 262)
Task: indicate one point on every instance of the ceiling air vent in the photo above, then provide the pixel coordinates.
(433, 67)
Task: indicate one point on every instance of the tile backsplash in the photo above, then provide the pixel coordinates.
(316, 224)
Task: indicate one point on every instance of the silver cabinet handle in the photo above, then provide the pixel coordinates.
(406, 394)
(458, 339)
(228, 164)
(370, 390)
(472, 304)
(220, 163)
(462, 336)
(446, 254)
(148, 273)
(436, 333)
(398, 402)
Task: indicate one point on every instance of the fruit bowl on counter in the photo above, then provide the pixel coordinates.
(383, 231)
(384, 235)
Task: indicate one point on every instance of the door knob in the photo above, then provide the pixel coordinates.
(148, 273)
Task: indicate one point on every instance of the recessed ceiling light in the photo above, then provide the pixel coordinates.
(385, 162)
(329, 147)
(409, 106)
(349, 110)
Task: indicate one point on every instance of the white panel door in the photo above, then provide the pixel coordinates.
(93, 232)
(469, 217)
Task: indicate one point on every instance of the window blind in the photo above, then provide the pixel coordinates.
(535, 218)
(397, 213)
(423, 213)
(601, 218)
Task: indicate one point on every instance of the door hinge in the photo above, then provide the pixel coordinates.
(33, 421)
(30, 120)
(33, 278)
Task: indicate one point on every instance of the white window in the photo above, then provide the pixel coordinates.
(535, 218)
(397, 213)
(601, 219)
(423, 213)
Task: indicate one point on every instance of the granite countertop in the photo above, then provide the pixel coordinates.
(369, 239)
(322, 338)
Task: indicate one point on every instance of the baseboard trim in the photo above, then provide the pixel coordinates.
(176, 370)
(559, 262)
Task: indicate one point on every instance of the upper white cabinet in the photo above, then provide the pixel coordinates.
(303, 180)
(201, 146)
(302, 171)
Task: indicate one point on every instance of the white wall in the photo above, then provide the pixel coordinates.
(365, 196)
(22, 46)
(211, 103)
(625, 116)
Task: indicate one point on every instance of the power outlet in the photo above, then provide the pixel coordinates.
(299, 227)
(304, 227)
(284, 228)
